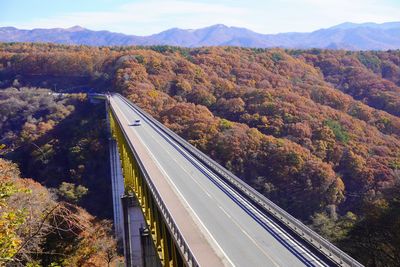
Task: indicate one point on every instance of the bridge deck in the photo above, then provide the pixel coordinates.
(219, 228)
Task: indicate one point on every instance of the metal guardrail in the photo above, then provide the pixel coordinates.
(172, 227)
(322, 245)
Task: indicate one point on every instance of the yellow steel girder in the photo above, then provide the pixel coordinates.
(135, 183)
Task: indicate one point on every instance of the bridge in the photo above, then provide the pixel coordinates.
(175, 206)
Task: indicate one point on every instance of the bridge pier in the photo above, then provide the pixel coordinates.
(138, 252)
(117, 183)
(150, 256)
(139, 247)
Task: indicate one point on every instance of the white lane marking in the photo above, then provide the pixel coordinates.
(251, 238)
(181, 195)
(226, 213)
(205, 191)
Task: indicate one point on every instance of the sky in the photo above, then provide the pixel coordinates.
(144, 17)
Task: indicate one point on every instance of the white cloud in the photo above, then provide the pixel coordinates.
(144, 17)
(309, 15)
(147, 17)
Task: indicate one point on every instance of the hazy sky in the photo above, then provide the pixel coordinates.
(142, 17)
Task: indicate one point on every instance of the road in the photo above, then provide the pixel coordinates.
(243, 236)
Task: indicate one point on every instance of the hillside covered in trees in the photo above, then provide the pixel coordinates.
(316, 131)
(38, 229)
(58, 138)
(60, 141)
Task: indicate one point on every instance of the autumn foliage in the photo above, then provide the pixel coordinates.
(38, 230)
(316, 131)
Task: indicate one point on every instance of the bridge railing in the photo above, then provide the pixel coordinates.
(322, 245)
(178, 238)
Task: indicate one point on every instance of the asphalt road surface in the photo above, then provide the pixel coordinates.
(241, 234)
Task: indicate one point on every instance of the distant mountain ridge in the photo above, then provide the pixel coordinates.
(351, 36)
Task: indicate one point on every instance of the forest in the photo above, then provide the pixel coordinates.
(316, 131)
(47, 226)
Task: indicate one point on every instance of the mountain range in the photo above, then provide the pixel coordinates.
(350, 36)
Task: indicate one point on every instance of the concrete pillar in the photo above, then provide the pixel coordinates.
(136, 221)
(133, 223)
(127, 231)
(117, 183)
(150, 256)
